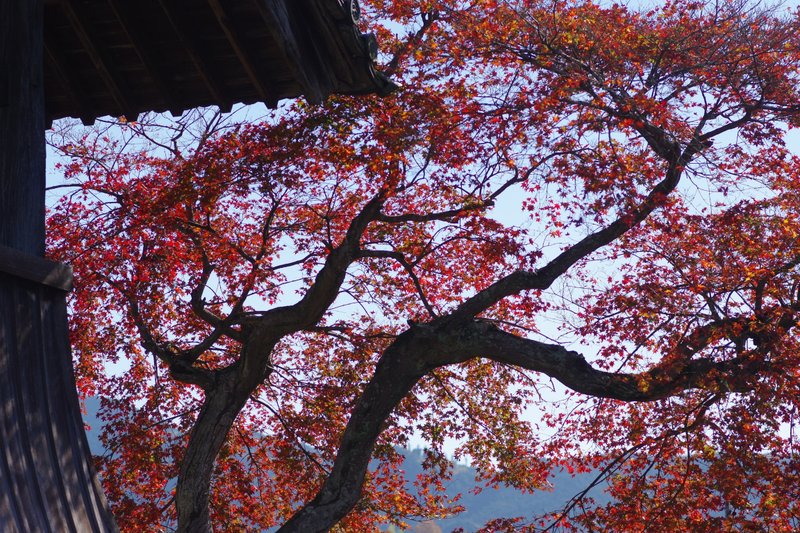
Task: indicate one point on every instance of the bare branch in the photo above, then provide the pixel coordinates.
(400, 258)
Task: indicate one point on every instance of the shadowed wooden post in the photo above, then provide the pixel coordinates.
(21, 126)
(47, 482)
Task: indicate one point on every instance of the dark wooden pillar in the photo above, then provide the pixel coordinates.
(47, 483)
(22, 126)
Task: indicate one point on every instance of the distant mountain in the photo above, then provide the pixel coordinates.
(95, 424)
(500, 503)
(479, 508)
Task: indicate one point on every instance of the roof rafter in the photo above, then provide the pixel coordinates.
(120, 57)
(276, 17)
(190, 47)
(103, 69)
(68, 83)
(121, 11)
(245, 58)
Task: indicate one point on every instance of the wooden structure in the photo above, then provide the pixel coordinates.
(116, 57)
(89, 58)
(47, 482)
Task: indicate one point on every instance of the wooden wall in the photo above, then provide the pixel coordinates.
(47, 482)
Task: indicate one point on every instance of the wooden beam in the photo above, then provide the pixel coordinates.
(200, 66)
(240, 49)
(47, 481)
(275, 14)
(122, 12)
(108, 77)
(36, 269)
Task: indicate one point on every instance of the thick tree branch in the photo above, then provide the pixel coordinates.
(323, 291)
(520, 280)
(447, 215)
(425, 347)
(234, 385)
(571, 369)
(180, 369)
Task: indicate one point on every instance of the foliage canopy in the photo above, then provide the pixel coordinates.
(570, 239)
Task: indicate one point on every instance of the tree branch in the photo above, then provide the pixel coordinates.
(400, 258)
(424, 347)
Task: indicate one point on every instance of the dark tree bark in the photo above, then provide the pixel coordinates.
(224, 399)
(218, 414)
(442, 342)
(229, 389)
(402, 365)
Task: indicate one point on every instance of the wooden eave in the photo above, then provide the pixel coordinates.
(122, 58)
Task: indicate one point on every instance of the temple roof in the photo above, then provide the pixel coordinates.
(121, 58)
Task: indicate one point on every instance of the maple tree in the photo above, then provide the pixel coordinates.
(266, 309)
